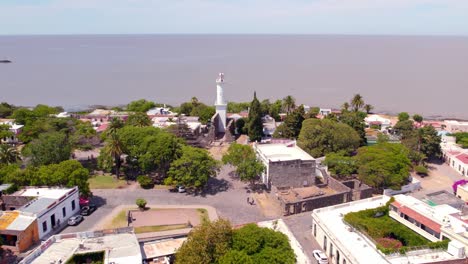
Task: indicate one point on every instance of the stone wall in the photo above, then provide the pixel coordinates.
(295, 173)
(359, 189)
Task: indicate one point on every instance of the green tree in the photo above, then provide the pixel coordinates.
(8, 155)
(320, 137)
(193, 169)
(255, 124)
(403, 116)
(49, 148)
(138, 119)
(233, 107)
(243, 157)
(291, 127)
(204, 112)
(368, 108)
(417, 118)
(206, 243)
(429, 142)
(141, 203)
(5, 132)
(345, 107)
(114, 149)
(356, 121)
(235, 257)
(289, 104)
(140, 106)
(357, 102)
(6, 109)
(383, 165)
(340, 165)
(240, 126)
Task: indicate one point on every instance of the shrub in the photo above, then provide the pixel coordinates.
(145, 182)
(387, 242)
(141, 203)
(421, 170)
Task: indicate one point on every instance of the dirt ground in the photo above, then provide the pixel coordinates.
(218, 151)
(161, 217)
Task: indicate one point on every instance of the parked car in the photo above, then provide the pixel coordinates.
(181, 189)
(88, 209)
(75, 220)
(320, 257)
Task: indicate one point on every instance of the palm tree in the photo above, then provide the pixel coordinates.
(345, 106)
(368, 108)
(114, 125)
(289, 103)
(113, 148)
(195, 101)
(357, 102)
(9, 154)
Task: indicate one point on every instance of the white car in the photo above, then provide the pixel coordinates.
(320, 257)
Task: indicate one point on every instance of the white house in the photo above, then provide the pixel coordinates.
(455, 156)
(51, 206)
(382, 123)
(454, 126)
(15, 129)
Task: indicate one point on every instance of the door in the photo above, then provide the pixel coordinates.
(52, 220)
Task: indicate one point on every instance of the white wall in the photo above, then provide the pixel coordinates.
(57, 210)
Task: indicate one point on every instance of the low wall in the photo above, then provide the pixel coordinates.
(413, 186)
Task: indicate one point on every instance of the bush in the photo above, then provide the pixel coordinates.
(421, 170)
(145, 182)
(141, 203)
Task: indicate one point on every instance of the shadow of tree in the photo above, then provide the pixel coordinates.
(98, 201)
(215, 186)
(7, 256)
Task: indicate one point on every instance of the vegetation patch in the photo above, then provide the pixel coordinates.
(389, 235)
(204, 218)
(92, 257)
(149, 229)
(105, 182)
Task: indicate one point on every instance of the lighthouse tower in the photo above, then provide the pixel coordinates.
(220, 104)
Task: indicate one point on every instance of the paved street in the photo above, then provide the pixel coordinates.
(300, 225)
(441, 177)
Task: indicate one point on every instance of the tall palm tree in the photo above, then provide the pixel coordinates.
(289, 103)
(114, 125)
(357, 102)
(9, 154)
(345, 106)
(114, 149)
(368, 108)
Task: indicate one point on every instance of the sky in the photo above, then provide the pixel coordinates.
(366, 17)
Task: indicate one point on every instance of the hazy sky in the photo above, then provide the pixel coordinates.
(422, 17)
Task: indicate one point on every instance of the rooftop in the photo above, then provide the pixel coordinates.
(282, 152)
(161, 248)
(444, 197)
(14, 220)
(46, 192)
(463, 158)
(119, 248)
(298, 194)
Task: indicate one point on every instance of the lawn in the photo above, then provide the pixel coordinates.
(389, 235)
(148, 229)
(204, 218)
(105, 182)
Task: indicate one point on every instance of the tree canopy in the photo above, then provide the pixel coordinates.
(140, 106)
(291, 127)
(255, 124)
(193, 169)
(384, 165)
(320, 137)
(243, 157)
(49, 148)
(138, 119)
(340, 164)
(217, 242)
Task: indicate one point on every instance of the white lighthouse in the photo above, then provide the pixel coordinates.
(220, 104)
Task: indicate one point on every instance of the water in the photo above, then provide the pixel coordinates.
(427, 75)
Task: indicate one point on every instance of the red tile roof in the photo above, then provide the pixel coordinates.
(463, 158)
(453, 152)
(418, 217)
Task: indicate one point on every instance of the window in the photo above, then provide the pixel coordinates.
(325, 243)
(315, 230)
(337, 257)
(44, 226)
(331, 250)
(73, 205)
(64, 212)
(344, 261)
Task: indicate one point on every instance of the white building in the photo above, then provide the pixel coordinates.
(454, 126)
(377, 120)
(118, 246)
(160, 111)
(455, 156)
(343, 244)
(51, 206)
(15, 129)
(220, 104)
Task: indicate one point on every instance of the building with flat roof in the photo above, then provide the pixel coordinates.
(51, 206)
(343, 244)
(454, 126)
(18, 231)
(286, 165)
(120, 246)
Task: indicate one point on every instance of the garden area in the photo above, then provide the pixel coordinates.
(159, 219)
(389, 235)
(106, 182)
(92, 257)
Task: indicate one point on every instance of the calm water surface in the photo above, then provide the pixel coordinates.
(427, 75)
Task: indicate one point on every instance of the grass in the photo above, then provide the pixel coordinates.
(384, 229)
(149, 229)
(204, 218)
(105, 182)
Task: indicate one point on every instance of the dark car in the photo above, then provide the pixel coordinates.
(88, 209)
(75, 220)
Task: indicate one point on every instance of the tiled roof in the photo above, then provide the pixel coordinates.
(463, 158)
(418, 217)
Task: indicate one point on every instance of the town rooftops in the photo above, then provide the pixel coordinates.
(15, 221)
(161, 248)
(282, 152)
(45, 198)
(463, 158)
